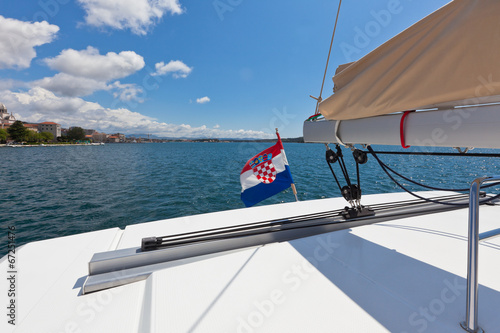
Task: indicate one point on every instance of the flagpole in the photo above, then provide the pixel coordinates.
(294, 190)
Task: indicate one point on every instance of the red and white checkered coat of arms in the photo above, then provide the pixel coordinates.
(265, 172)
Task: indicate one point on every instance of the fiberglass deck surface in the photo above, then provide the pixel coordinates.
(404, 275)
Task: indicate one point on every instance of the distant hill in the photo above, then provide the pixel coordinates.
(300, 139)
(151, 136)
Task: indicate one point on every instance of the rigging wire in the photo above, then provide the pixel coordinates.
(428, 186)
(351, 192)
(423, 185)
(357, 175)
(436, 154)
(343, 166)
(319, 99)
(334, 176)
(385, 169)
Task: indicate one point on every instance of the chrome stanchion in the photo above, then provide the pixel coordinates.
(470, 324)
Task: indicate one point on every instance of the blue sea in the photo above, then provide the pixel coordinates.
(49, 192)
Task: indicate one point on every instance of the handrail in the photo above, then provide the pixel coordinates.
(489, 234)
(470, 323)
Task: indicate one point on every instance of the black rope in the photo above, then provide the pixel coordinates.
(427, 186)
(382, 165)
(357, 176)
(437, 154)
(334, 176)
(349, 192)
(288, 223)
(343, 166)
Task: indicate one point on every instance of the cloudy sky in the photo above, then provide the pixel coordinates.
(180, 68)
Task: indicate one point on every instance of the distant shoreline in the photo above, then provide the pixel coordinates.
(285, 140)
(49, 145)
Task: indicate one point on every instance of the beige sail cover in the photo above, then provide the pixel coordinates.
(451, 57)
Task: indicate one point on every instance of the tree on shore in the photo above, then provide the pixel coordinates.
(39, 137)
(33, 137)
(17, 131)
(76, 133)
(47, 136)
(3, 135)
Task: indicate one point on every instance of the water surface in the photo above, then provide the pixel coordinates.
(48, 192)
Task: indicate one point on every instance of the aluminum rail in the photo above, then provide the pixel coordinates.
(470, 324)
(119, 267)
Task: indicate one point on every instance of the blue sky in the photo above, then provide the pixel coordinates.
(217, 68)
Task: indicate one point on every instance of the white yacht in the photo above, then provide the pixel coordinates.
(398, 262)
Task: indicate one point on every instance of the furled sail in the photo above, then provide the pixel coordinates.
(449, 58)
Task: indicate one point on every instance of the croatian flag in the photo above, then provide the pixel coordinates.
(265, 175)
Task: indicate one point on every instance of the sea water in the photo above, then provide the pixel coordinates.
(49, 192)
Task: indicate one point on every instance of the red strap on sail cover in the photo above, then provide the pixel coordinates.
(402, 129)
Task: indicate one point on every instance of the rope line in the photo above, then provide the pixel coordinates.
(428, 186)
(418, 153)
(384, 168)
(328, 60)
(289, 223)
(334, 176)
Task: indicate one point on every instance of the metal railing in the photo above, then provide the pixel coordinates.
(470, 324)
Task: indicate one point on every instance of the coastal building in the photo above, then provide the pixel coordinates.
(99, 137)
(121, 137)
(32, 127)
(6, 119)
(51, 127)
(89, 131)
(113, 139)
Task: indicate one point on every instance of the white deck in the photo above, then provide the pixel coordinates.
(406, 275)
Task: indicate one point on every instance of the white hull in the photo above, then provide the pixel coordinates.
(477, 127)
(404, 275)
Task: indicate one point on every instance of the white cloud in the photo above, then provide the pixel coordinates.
(203, 100)
(127, 91)
(177, 68)
(18, 40)
(90, 64)
(39, 104)
(69, 85)
(136, 15)
(72, 86)
(217, 126)
(9, 84)
(85, 72)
